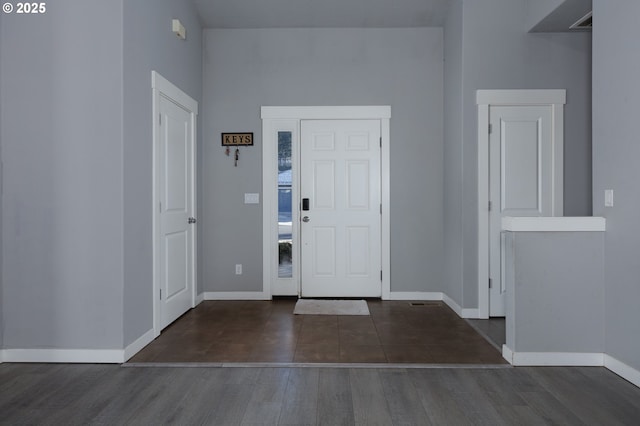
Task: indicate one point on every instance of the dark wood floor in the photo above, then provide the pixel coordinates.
(492, 329)
(40, 394)
(268, 332)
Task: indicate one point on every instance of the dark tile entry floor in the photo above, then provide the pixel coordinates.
(268, 332)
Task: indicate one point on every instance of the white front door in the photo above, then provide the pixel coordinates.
(521, 167)
(341, 222)
(175, 196)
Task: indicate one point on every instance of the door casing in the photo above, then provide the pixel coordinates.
(288, 118)
(556, 99)
(163, 87)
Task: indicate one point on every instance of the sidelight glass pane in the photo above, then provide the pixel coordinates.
(284, 206)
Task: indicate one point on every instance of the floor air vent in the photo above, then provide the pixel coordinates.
(423, 304)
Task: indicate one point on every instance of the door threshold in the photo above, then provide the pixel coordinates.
(310, 365)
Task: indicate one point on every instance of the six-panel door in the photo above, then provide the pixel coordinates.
(341, 231)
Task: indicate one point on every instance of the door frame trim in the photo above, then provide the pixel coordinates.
(162, 87)
(270, 116)
(486, 99)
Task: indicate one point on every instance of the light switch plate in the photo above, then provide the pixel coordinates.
(608, 197)
(251, 198)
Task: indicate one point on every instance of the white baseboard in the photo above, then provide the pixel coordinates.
(548, 359)
(80, 356)
(507, 354)
(415, 295)
(471, 313)
(91, 356)
(452, 304)
(462, 312)
(623, 370)
(236, 295)
(199, 299)
(137, 346)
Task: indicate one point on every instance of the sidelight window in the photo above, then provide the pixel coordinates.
(284, 206)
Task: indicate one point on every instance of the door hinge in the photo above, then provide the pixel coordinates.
(160, 294)
(490, 283)
(490, 205)
(380, 141)
(380, 275)
(380, 208)
(490, 128)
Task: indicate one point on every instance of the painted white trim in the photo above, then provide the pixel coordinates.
(485, 99)
(269, 204)
(507, 354)
(288, 114)
(459, 310)
(470, 313)
(521, 97)
(272, 283)
(557, 168)
(415, 295)
(548, 359)
(138, 344)
(199, 298)
(554, 224)
(385, 199)
(453, 305)
(326, 112)
(236, 295)
(1, 356)
(162, 87)
(483, 212)
(81, 356)
(623, 370)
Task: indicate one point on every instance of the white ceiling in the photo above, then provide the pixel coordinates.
(321, 13)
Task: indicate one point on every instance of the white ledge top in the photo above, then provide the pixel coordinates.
(553, 224)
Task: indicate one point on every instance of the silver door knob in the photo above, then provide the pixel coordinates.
(306, 219)
(192, 220)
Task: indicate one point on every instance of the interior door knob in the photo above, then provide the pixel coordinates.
(306, 219)
(192, 220)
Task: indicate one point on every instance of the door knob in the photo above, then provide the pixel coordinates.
(306, 219)
(192, 220)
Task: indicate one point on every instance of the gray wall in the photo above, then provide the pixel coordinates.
(77, 144)
(149, 45)
(61, 84)
(1, 185)
(537, 10)
(616, 67)
(555, 292)
(497, 53)
(453, 154)
(245, 69)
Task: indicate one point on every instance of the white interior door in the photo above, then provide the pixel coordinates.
(521, 167)
(175, 190)
(341, 230)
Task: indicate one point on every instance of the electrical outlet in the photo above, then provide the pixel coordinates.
(239, 269)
